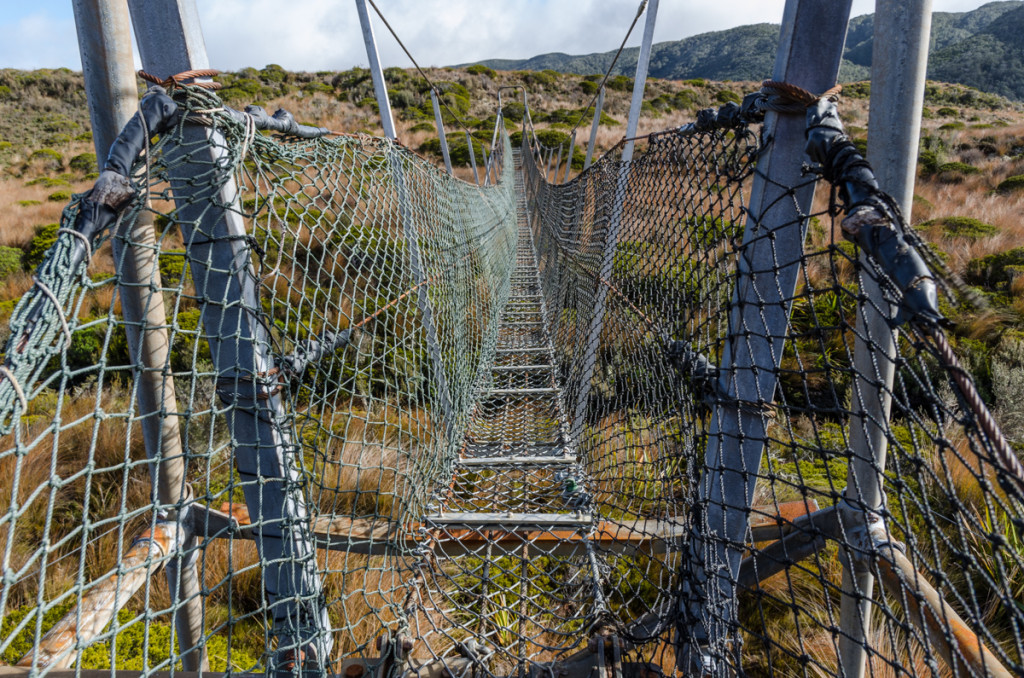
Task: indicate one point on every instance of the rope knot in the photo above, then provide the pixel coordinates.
(783, 97)
(179, 79)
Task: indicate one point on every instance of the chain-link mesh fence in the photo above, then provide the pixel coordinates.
(533, 428)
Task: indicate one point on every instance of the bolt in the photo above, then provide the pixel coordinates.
(354, 671)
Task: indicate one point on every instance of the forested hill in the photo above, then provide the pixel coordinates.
(983, 48)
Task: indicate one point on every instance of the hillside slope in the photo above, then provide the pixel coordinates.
(983, 48)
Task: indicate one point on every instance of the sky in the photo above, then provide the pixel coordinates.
(314, 35)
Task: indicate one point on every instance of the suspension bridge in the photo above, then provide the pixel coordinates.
(672, 416)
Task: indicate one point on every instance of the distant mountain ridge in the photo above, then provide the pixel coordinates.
(983, 48)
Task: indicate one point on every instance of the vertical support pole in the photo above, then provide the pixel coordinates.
(558, 161)
(810, 50)
(568, 159)
(408, 219)
(593, 127)
(612, 237)
(472, 157)
(494, 150)
(105, 43)
(440, 130)
(170, 41)
(547, 165)
(380, 88)
(898, 65)
(487, 166)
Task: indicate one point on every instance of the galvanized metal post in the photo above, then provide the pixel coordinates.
(440, 130)
(898, 65)
(104, 41)
(593, 127)
(170, 41)
(612, 237)
(472, 157)
(568, 159)
(408, 219)
(487, 166)
(494, 150)
(380, 87)
(810, 50)
(558, 162)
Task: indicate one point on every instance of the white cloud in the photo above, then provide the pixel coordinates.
(325, 35)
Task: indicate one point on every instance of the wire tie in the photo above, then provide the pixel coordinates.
(4, 371)
(60, 311)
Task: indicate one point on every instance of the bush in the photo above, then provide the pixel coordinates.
(480, 69)
(45, 237)
(995, 269)
(956, 124)
(954, 172)
(928, 161)
(963, 227)
(857, 90)
(588, 87)
(514, 111)
(84, 162)
(59, 196)
(10, 261)
(402, 98)
(947, 112)
(621, 83)
(172, 267)
(47, 159)
(725, 96)
(422, 127)
(5, 93)
(29, 203)
(1011, 184)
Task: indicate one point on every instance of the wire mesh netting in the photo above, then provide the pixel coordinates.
(372, 419)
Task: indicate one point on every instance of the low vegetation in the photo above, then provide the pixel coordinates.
(967, 205)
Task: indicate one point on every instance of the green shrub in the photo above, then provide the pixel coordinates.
(84, 162)
(314, 87)
(927, 113)
(620, 83)
(29, 203)
(954, 172)
(928, 161)
(47, 159)
(59, 196)
(186, 332)
(402, 98)
(10, 261)
(552, 138)
(1011, 184)
(48, 182)
(5, 93)
(695, 82)
(947, 112)
(956, 124)
(588, 87)
(995, 269)
(172, 267)
(514, 111)
(857, 90)
(963, 227)
(725, 96)
(422, 127)
(480, 69)
(36, 249)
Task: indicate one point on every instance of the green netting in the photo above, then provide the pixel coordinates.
(407, 425)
